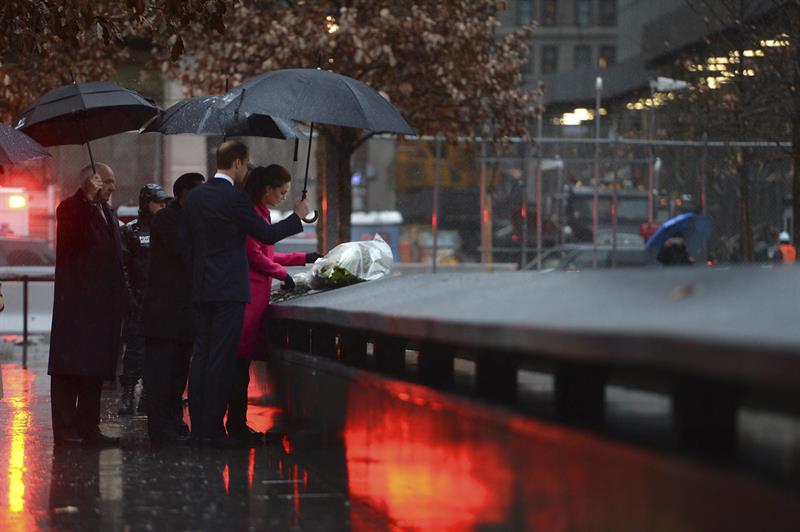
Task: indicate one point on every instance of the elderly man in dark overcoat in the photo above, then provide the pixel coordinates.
(90, 300)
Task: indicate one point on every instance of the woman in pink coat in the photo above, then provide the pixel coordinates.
(267, 187)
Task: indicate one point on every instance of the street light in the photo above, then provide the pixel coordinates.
(660, 84)
(657, 174)
(598, 88)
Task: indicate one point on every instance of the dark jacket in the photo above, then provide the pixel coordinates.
(167, 306)
(674, 255)
(219, 217)
(136, 256)
(90, 293)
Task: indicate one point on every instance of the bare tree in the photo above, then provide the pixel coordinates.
(757, 88)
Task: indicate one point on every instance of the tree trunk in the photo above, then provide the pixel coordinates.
(335, 187)
(745, 224)
(796, 173)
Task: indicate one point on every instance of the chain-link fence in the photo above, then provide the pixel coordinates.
(488, 208)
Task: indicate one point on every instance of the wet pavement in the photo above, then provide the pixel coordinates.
(406, 458)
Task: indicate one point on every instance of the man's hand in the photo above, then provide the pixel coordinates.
(311, 258)
(91, 186)
(301, 207)
(288, 284)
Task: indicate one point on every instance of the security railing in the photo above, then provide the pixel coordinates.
(714, 339)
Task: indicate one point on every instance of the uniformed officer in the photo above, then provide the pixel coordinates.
(136, 257)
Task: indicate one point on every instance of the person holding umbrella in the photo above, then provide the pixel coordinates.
(90, 299)
(267, 187)
(219, 216)
(90, 294)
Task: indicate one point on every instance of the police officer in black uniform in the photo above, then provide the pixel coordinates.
(136, 258)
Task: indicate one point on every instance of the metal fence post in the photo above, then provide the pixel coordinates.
(523, 208)
(435, 215)
(596, 170)
(25, 283)
(539, 195)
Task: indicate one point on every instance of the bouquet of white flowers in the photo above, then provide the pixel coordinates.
(352, 262)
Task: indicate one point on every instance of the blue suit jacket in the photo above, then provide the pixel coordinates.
(219, 217)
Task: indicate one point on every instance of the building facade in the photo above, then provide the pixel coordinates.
(570, 35)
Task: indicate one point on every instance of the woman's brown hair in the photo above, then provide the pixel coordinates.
(260, 177)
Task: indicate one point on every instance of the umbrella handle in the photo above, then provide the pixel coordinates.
(314, 217)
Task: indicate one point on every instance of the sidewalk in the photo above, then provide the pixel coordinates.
(136, 488)
(401, 457)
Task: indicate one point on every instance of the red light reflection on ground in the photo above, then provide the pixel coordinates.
(454, 468)
(420, 468)
(287, 444)
(261, 418)
(251, 468)
(16, 386)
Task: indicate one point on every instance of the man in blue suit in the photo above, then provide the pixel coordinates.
(219, 217)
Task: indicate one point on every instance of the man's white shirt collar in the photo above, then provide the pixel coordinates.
(226, 177)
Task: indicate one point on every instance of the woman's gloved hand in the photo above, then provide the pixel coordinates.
(312, 257)
(288, 284)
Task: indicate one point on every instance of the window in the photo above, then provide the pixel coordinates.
(527, 67)
(549, 12)
(583, 56)
(607, 55)
(549, 59)
(608, 12)
(524, 11)
(583, 13)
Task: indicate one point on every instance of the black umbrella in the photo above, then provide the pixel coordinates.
(209, 115)
(16, 147)
(82, 112)
(318, 96)
(313, 95)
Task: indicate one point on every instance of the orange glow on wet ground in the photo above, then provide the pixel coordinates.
(251, 468)
(411, 464)
(16, 389)
(14, 491)
(226, 478)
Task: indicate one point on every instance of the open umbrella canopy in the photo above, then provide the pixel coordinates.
(209, 115)
(81, 112)
(16, 147)
(313, 95)
(695, 228)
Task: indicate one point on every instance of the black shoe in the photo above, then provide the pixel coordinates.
(247, 433)
(273, 436)
(98, 439)
(126, 401)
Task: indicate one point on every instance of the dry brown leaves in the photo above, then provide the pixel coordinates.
(440, 63)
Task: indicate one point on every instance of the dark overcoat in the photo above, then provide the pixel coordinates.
(219, 217)
(90, 293)
(167, 306)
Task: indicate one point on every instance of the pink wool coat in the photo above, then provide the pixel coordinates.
(265, 265)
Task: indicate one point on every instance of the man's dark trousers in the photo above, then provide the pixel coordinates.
(217, 330)
(237, 402)
(75, 405)
(166, 367)
(133, 359)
